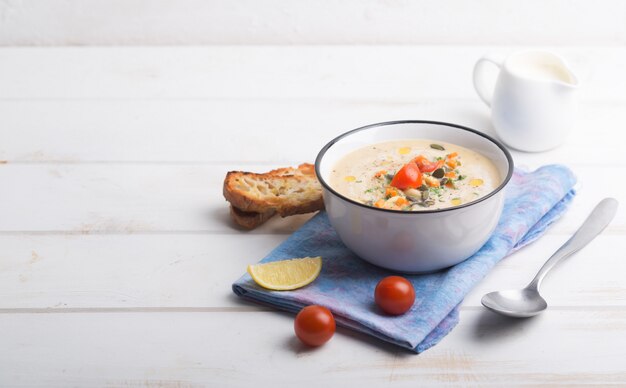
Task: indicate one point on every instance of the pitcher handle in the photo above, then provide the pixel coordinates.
(480, 83)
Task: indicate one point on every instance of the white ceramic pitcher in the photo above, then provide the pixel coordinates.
(533, 104)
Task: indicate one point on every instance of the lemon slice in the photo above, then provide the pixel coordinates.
(286, 274)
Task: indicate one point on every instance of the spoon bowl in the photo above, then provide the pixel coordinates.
(522, 303)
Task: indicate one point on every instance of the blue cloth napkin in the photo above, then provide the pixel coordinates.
(534, 200)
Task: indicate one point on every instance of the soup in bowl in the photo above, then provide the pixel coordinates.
(414, 196)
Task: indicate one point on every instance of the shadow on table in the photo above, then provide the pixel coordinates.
(292, 344)
(495, 327)
(275, 225)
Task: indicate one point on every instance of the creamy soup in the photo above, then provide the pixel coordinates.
(414, 175)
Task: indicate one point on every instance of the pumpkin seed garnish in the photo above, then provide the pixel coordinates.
(438, 173)
(437, 147)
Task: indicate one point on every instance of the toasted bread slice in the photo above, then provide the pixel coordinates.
(250, 220)
(286, 191)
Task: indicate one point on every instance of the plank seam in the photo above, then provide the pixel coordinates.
(242, 309)
(609, 231)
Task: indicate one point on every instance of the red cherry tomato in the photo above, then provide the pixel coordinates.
(394, 295)
(314, 325)
(426, 165)
(409, 176)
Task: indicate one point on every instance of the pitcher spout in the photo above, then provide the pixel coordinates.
(570, 80)
(562, 72)
(543, 66)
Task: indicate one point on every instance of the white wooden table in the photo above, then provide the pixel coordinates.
(117, 255)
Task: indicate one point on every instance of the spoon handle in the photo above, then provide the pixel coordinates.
(595, 223)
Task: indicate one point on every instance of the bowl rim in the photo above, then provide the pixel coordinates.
(505, 181)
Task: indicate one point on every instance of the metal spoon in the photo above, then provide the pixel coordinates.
(527, 301)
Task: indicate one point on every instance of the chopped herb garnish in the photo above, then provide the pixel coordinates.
(436, 190)
(371, 190)
(461, 177)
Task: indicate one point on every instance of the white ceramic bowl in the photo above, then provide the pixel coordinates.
(405, 241)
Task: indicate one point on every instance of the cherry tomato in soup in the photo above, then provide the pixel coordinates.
(409, 176)
(426, 165)
(314, 325)
(394, 295)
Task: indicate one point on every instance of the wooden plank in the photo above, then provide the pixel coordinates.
(378, 73)
(190, 130)
(184, 272)
(159, 22)
(103, 198)
(157, 198)
(126, 271)
(270, 131)
(561, 347)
